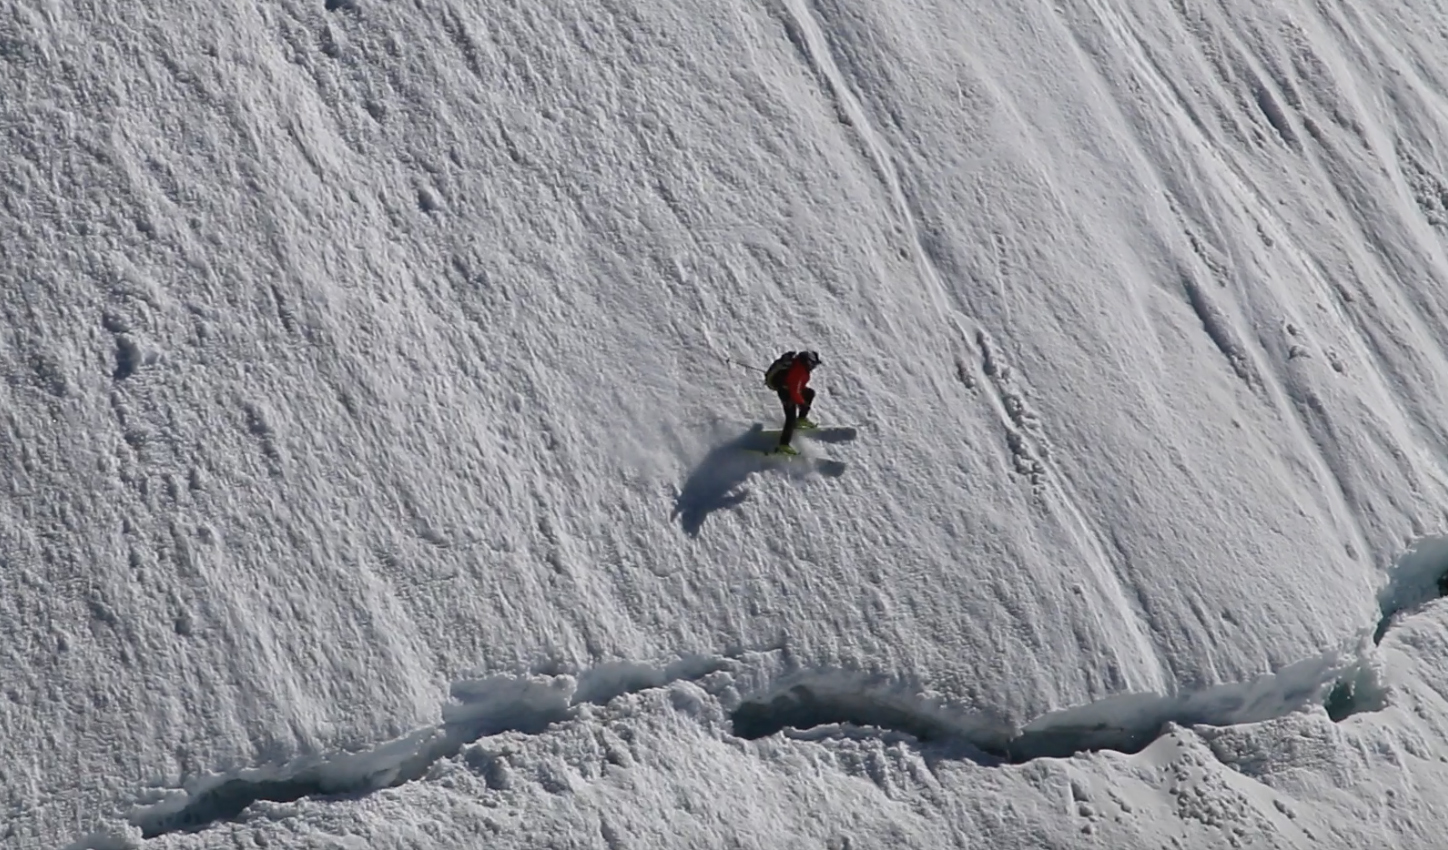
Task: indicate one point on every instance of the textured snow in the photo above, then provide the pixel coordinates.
(377, 379)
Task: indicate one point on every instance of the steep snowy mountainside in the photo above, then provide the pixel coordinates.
(356, 349)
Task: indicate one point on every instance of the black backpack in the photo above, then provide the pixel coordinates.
(776, 369)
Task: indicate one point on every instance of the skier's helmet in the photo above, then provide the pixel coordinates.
(810, 358)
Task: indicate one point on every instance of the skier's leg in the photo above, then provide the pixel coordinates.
(791, 414)
(809, 396)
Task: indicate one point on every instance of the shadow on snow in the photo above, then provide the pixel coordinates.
(718, 481)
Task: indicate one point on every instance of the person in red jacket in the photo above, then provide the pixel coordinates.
(789, 376)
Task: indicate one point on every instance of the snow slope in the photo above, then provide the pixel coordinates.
(377, 377)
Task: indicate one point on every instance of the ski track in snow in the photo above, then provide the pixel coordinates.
(1137, 655)
(1247, 353)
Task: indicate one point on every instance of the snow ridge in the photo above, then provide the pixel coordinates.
(817, 705)
(822, 703)
(482, 707)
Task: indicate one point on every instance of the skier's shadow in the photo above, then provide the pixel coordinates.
(717, 483)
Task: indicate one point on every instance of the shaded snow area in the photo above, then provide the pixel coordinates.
(382, 424)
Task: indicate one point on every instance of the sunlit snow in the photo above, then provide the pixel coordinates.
(382, 400)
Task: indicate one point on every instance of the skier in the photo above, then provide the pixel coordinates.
(789, 376)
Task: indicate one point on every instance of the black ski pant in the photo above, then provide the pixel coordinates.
(793, 412)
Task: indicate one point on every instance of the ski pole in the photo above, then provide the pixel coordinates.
(733, 362)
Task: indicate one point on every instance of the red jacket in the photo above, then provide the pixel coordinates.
(794, 380)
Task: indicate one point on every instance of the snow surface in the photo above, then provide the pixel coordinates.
(378, 378)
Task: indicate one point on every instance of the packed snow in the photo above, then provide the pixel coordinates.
(382, 410)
